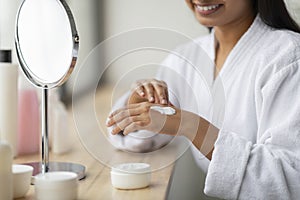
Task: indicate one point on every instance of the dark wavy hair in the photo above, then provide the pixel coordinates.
(275, 14)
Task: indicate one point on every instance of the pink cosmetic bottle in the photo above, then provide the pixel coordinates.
(28, 118)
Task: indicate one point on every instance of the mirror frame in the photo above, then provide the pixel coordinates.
(25, 68)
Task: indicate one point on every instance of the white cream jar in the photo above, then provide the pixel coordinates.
(56, 185)
(131, 175)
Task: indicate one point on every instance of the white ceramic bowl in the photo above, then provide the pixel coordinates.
(21, 179)
(56, 185)
(131, 175)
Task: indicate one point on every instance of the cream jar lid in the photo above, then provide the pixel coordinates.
(132, 168)
(20, 169)
(55, 179)
(131, 175)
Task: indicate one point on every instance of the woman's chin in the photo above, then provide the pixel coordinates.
(206, 22)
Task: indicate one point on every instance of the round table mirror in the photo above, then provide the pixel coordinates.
(47, 46)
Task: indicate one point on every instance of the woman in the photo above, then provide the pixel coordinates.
(254, 147)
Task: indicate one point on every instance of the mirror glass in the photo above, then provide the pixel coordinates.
(46, 41)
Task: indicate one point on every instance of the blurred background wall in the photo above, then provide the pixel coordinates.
(101, 20)
(98, 20)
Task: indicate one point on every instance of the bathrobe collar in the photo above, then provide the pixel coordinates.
(244, 45)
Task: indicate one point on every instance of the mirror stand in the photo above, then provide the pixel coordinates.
(47, 52)
(45, 132)
(46, 166)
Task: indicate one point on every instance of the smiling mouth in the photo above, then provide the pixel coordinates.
(206, 9)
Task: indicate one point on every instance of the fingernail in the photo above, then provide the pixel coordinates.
(113, 132)
(142, 94)
(163, 101)
(151, 99)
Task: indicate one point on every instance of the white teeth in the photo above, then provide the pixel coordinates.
(206, 8)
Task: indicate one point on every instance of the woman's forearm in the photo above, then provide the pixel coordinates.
(198, 130)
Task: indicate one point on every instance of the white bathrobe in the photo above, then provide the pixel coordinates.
(255, 102)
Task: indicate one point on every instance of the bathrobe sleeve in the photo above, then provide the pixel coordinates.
(270, 168)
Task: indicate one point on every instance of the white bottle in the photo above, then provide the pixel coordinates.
(6, 178)
(59, 125)
(8, 100)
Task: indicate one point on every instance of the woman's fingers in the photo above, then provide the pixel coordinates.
(130, 124)
(153, 90)
(120, 114)
(149, 91)
(135, 117)
(129, 119)
(133, 127)
(161, 91)
(136, 114)
(139, 89)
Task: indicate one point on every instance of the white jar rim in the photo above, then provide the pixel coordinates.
(132, 168)
(56, 179)
(20, 169)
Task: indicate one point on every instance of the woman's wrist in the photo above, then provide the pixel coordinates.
(198, 130)
(172, 124)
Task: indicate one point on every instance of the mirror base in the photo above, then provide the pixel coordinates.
(59, 166)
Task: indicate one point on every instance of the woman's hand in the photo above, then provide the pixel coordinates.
(150, 90)
(139, 116)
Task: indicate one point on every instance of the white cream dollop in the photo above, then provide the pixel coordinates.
(164, 110)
